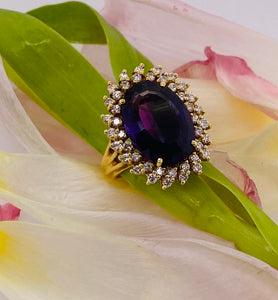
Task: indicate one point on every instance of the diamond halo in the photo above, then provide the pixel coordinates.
(125, 151)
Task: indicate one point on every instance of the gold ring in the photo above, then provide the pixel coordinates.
(155, 127)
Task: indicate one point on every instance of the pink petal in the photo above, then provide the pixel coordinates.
(170, 33)
(8, 212)
(235, 75)
(237, 175)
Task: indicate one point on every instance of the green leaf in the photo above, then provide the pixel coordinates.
(75, 21)
(64, 83)
(92, 29)
(267, 228)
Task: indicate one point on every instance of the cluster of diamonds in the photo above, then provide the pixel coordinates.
(121, 144)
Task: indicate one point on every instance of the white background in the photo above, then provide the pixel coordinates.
(259, 15)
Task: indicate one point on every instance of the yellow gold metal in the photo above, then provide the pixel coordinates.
(110, 165)
(159, 162)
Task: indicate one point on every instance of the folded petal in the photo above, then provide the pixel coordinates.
(259, 156)
(39, 262)
(144, 24)
(236, 174)
(13, 116)
(236, 76)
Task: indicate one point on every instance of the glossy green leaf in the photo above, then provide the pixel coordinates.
(75, 21)
(64, 83)
(267, 228)
(95, 30)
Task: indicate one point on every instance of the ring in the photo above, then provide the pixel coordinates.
(155, 127)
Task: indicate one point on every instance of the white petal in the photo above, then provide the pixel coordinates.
(232, 119)
(42, 263)
(259, 156)
(76, 196)
(17, 121)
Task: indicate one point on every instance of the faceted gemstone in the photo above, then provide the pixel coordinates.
(158, 123)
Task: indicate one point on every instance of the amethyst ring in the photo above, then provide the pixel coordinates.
(156, 127)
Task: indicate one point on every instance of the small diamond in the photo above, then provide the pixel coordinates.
(198, 132)
(163, 79)
(117, 95)
(117, 122)
(116, 146)
(181, 95)
(206, 154)
(156, 70)
(194, 157)
(183, 178)
(204, 124)
(197, 168)
(108, 102)
(127, 146)
(185, 166)
(106, 119)
(166, 183)
(160, 171)
(172, 76)
(172, 173)
(116, 109)
(182, 86)
(125, 158)
(125, 84)
(199, 110)
(123, 76)
(152, 178)
(121, 134)
(172, 86)
(137, 170)
(191, 98)
(148, 166)
(199, 146)
(136, 77)
(139, 69)
(206, 139)
(111, 132)
(190, 107)
(195, 119)
(150, 76)
(111, 88)
(136, 157)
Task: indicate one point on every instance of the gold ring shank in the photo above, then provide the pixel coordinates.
(110, 165)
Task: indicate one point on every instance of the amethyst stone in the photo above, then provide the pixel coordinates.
(158, 123)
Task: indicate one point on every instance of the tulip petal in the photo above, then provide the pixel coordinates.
(144, 24)
(39, 262)
(8, 212)
(236, 76)
(17, 121)
(259, 156)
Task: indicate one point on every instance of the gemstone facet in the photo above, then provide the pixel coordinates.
(158, 123)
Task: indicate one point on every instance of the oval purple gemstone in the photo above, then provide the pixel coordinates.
(158, 123)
